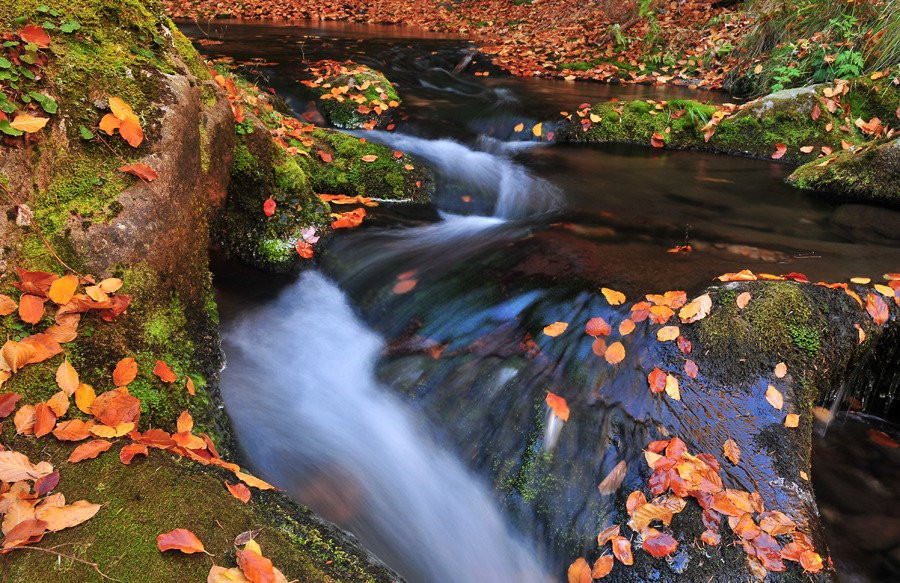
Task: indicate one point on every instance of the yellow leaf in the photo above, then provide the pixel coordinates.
(672, 388)
(556, 328)
(62, 289)
(732, 451)
(28, 123)
(860, 280)
(84, 397)
(884, 290)
(596, 118)
(119, 108)
(110, 284)
(60, 517)
(612, 296)
(519, 127)
(253, 481)
(792, 420)
(615, 353)
(667, 333)
(537, 130)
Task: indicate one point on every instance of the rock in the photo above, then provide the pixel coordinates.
(870, 172)
(352, 96)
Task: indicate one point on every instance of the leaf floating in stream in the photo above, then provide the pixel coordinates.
(558, 405)
(615, 353)
(555, 329)
(612, 296)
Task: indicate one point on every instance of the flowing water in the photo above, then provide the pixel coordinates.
(410, 419)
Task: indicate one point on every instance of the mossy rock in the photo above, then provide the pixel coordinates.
(388, 177)
(162, 492)
(351, 96)
(868, 172)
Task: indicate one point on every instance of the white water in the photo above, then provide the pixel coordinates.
(300, 389)
(518, 194)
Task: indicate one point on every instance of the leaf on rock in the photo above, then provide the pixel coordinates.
(142, 171)
(28, 123)
(780, 370)
(742, 300)
(659, 544)
(579, 571)
(657, 380)
(239, 491)
(875, 307)
(126, 370)
(602, 566)
(613, 480)
(180, 539)
(15, 466)
(792, 420)
(622, 550)
(256, 567)
(164, 373)
(774, 397)
(61, 517)
(780, 150)
(732, 451)
(89, 450)
(67, 377)
(8, 403)
(62, 290)
(31, 308)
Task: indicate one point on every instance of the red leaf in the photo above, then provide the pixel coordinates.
(142, 171)
(164, 373)
(325, 156)
(816, 112)
(269, 207)
(660, 544)
(180, 539)
(657, 140)
(657, 380)
(35, 34)
(780, 150)
(690, 367)
(597, 327)
(8, 403)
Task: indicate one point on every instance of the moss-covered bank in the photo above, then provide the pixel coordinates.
(94, 220)
(350, 95)
(798, 126)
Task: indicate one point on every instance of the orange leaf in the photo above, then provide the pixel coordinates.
(44, 419)
(109, 124)
(579, 571)
(255, 567)
(742, 300)
(622, 550)
(180, 539)
(7, 305)
(672, 388)
(780, 370)
(659, 544)
(369, 158)
(62, 290)
(116, 407)
(190, 386)
(875, 307)
(558, 405)
(130, 130)
(780, 150)
(732, 451)
(626, 327)
(125, 372)
(657, 380)
(349, 220)
(667, 333)
(31, 308)
(608, 534)
(8, 403)
(120, 109)
(555, 329)
(612, 296)
(28, 123)
(84, 397)
(164, 373)
(602, 566)
(127, 453)
(239, 491)
(615, 353)
(142, 171)
(657, 140)
(72, 430)
(253, 481)
(269, 207)
(67, 377)
(597, 327)
(792, 420)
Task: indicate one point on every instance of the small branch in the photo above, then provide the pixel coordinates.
(38, 231)
(50, 551)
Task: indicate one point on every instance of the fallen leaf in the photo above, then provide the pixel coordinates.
(116, 407)
(62, 289)
(62, 517)
(180, 539)
(142, 171)
(126, 370)
(555, 329)
(15, 466)
(579, 571)
(72, 430)
(613, 479)
(732, 451)
(131, 132)
(597, 327)
(657, 140)
(612, 296)
(84, 398)
(518, 127)
(615, 353)
(558, 405)
(256, 567)
(7, 305)
(622, 550)
(626, 327)
(44, 419)
(31, 308)
(269, 207)
(774, 397)
(690, 368)
(875, 307)
(537, 130)
(33, 33)
(89, 450)
(164, 373)
(127, 453)
(608, 534)
(253, 481)
(602, 566)
(67, 377)
(672, 388)
(792, 420)
(780, 150)
(659, 544)
(780, 370)
(28, 123)
(667, 333)
(239, 491)
(369, 158)
(742, 300)
(657, 380)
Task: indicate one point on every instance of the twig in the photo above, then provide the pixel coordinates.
(38, 231)
(95, 566)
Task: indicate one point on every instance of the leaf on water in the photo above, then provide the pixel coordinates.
(626, 327)
(555, 329)
(774, 397)
(612, 296)
(537, 130)
(732, 451)
(180, 539)
(672, 388)
(519, 127)
(657, 380)
(690, 368)
(610, 484)
(597, 327)
(558, 405)
(615, 353)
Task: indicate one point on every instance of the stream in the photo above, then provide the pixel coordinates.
(405, 418)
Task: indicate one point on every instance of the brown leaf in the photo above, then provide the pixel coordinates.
(659, 544)
(608, 534)
(622, 550)
(875, 307)
(597, 327)
(89, 450)
(142, 171)
(24, 420)
(780, 370)
(28, 531)
(792, 420)
(613, 479)
(15, 466)
(732, 451)
(8, 403)
(180, 539)
(84, 398)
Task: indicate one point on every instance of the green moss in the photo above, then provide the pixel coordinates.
(344, 114)
(204, 147)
